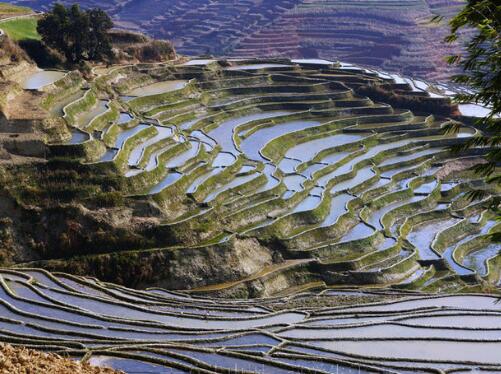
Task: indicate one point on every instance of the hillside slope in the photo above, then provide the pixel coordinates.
(242, 178)
(394, 35)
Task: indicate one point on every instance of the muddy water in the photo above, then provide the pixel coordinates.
(84, 119)
(41, 79)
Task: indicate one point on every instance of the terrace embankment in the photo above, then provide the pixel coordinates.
(243, 179)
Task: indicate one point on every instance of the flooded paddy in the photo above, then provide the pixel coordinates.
(166, 182)
(419, 350)
(288, 165)
(158, 88)
(223, 134)
(311, 202)
(459, 334)
(41, 79)
(86, 118)
(360, 231)
(476, 260)
(375, 217)
(238, 181)
(361, 176)
(256, 66)
(137, 153)
(78, 137)
(126, 134)
(306, 151)
(337, 208)
(294, 182)
(181, 159)
(422, 236)
(254, 143)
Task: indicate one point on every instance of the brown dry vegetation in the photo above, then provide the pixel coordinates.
(28, 361)
(10, 51)
(135, 47)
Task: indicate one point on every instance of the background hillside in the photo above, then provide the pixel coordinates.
(395, 35)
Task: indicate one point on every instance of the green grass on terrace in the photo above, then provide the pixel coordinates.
(21, 28)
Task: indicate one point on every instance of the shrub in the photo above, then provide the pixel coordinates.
(43, 56)
(154, 51)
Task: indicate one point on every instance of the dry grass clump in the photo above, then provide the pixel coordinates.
(20, 360)
(11, 51)
(4, 155)
(131, 46)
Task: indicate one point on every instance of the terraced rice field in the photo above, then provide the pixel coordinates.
(281, 169)
(329, 331)
(287, 222)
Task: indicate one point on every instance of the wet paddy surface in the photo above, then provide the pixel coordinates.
(463, 329)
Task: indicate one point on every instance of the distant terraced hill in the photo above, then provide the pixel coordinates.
(395, 35)
(242, 178)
